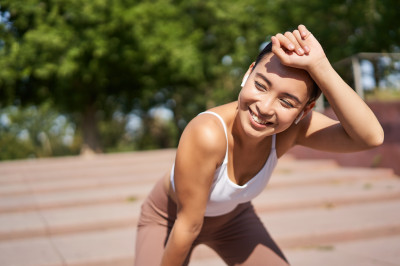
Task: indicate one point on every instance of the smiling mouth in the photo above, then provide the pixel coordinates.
(259, 120)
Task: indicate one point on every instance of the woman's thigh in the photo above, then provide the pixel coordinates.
(156, 219)
(151, 239)
(245, 241)
(150, 242)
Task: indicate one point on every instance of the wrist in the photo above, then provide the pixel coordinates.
(320, 65)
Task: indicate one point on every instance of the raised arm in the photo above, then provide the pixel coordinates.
(199, 153)
(358, 128)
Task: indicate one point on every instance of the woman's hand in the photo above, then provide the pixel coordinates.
(299, 49)
(358, 128)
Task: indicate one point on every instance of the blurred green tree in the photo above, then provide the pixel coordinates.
(92, 58)
(33, 132)
(346, 27)
(86, 56)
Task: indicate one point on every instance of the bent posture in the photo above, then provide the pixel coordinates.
(226, 156)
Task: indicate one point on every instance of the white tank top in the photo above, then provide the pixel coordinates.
(226, 195)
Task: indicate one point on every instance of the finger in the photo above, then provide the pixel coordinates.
(284, 42)
(303, 31)
(298, 48)
(301, 42)
(276, 46)
(280, 51)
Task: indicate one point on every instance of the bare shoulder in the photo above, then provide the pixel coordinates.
(200, 151)
(204, 136)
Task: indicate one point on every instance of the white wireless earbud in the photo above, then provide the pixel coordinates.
(244, 80)
(299, 118)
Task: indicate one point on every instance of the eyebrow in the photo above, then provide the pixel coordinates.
(264, 78)
(270, 84)
(292, 97)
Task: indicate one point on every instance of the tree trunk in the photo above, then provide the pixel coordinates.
(91, 140)
(377, 74)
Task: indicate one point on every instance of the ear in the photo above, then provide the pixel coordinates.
(247, 74)
(244, 80)
(308, 108)
(299, 117)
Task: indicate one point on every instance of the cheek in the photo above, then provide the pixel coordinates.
(286, 116)
(248, 94)
(243, 97)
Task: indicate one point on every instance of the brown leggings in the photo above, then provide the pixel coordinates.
(238, 237)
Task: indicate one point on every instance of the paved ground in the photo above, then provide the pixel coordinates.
(83, 211)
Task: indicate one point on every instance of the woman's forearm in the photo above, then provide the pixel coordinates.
(179, 243)
(355, 116)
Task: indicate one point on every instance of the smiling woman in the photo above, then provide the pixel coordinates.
(226, 156)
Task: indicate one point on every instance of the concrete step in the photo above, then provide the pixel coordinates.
(285, 175)
(68, 220)
(94, 249)
(27, 172)
(315, 230)
(74, 184)
(90, 162)
(316, 226)
(83, 211)
(103, 248)
(383, 251)
(73, 211)
(77, 167)
(102, 195)
(274, 201)
(43, 194)
(101, 171)
(299, 232)
(293, 177)
(328, 195)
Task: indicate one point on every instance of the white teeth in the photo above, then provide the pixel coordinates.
(258, 120)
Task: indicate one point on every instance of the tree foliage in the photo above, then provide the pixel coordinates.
(346, 27)
(104, 55)
(90, 59)
(33, 132)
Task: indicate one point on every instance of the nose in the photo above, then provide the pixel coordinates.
(266, 107)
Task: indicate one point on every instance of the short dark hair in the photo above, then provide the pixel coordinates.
(316, 91)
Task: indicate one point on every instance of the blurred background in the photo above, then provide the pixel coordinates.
(101, 76)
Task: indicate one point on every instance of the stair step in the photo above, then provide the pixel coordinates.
(310, 176)
(102, 248)
(73, 162)
(79, 217)
(367, 252)
(288, 176)
(83, 211)
(328, 195)
(68, 220)
(307, 228)
(101, 171)
(287, 164)
(304, 227)
(70, 192)
(28, 252)
(72, 198)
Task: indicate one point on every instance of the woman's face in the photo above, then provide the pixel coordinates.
(273, 97)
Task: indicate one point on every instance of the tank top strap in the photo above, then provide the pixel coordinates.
(273, 144)
(225, 130)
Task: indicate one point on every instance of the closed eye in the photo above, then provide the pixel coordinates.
(286, 103)
(259, 85)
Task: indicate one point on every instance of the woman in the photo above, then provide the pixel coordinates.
(226, 155)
